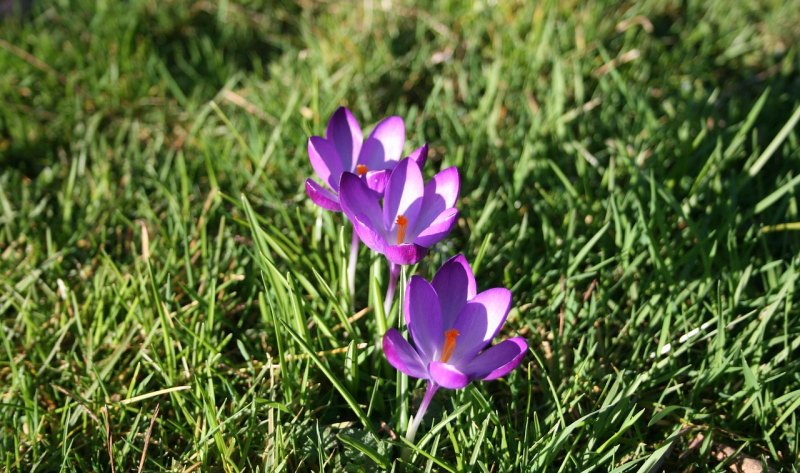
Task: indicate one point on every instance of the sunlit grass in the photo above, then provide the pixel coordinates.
(630, 172)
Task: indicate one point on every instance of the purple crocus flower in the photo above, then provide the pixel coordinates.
(344, 150)
(452, 326)
(414, 216)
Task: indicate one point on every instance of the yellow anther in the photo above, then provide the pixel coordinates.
(449, 344)
(402, 225)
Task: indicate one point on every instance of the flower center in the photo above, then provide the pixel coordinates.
(402, 226)
(449, 344)
(361, 169)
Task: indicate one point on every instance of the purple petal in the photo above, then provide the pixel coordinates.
(445, 184)
(322, 196)
(420, 155)
(479, 321)
(325, 161)
(345, 135)
(447, 375)
(362, 208)
(498, 360)
(423, 317)
(354, 194)
(438, 229)
(455, 285)
(403, 196)
(367, 234)
(384, 147)
(377, 180)
(408, 253)
(402, 356)
(441, 193)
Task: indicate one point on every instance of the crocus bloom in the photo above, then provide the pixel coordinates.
(344, 150)
(414, 216)
(452, 327)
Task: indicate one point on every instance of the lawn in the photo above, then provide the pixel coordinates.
(171, 300)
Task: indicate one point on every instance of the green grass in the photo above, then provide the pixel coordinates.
(170, 299)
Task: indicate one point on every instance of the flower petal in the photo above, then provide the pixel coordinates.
(362, 208)
(402, 355)
(438, 229)
(498, 360)
(440, 193)
(354, 193)
(325, 161)
(407, 253)
(346, 137)
(367, 234)
(403, 196)
(322, 196)
(447, 375)
(384, 147)
(455, 285)
(479, 321)
(423, 318)
(420, 155)
(377, 180)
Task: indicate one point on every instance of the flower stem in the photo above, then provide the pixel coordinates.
(394, 272)
(403, 378)
(351, 267)
(423, 407)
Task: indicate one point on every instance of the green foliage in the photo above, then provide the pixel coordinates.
(629, 170)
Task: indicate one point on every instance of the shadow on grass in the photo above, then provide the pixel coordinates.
(202, 46)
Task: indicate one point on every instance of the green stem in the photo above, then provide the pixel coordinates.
(394, 272)
(423, 408)
(351, 267)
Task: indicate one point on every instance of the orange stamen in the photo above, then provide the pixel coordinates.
(402, 225)
(361, 169)
(449, 344)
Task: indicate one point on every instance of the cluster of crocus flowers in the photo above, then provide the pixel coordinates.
(394, 212)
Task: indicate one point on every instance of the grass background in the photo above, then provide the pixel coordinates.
(171, 300)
